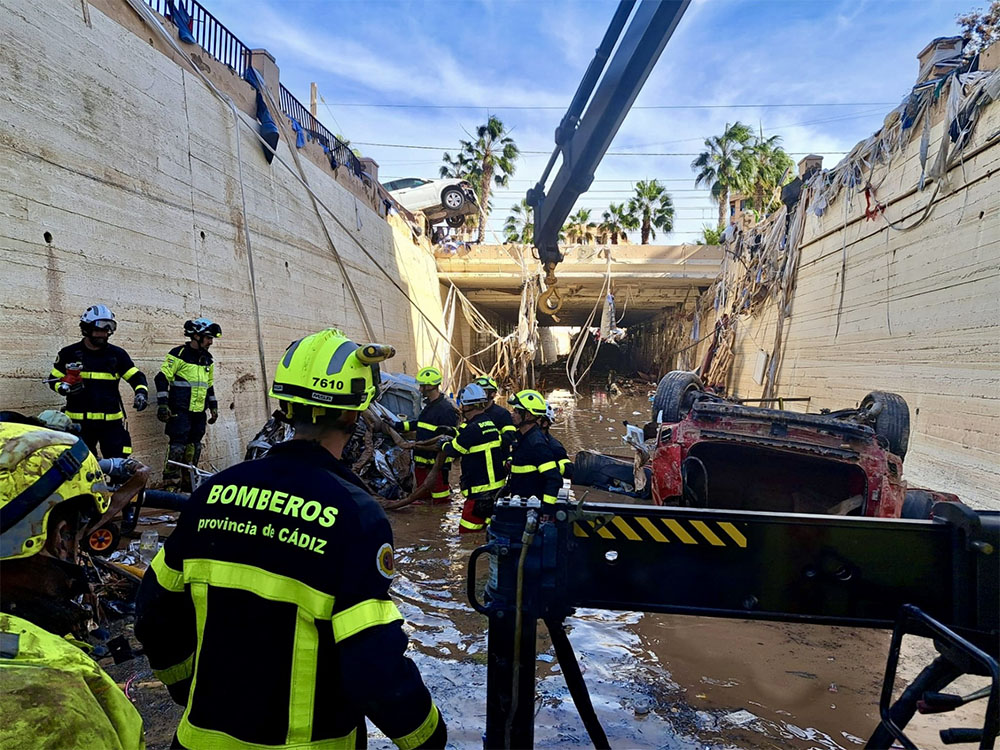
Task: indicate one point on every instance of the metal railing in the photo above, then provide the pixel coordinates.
(341, 151)
(215, 39)
(224, 46)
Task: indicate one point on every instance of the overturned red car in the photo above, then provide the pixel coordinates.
(707, 451)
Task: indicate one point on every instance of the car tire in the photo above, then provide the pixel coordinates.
(917, 505)
(452, 198)
(674, 395)
(892, 423)
(102, 541)
(455, 221)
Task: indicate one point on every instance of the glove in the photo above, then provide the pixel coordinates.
(443, 441)
(446, 430)
(215, 416)
(63, 389)
(141, 401)
(163, 413)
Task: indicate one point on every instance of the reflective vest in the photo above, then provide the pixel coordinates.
(99, 399)
(186, 381)
(52, 693)
(267, 612)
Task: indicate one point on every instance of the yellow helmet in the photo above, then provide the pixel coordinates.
(487, 382)
(429, 376)
(40, 468)
(532, 402)
(327, 369)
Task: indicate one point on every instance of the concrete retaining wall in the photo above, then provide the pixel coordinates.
(920, 315)
(119, 184)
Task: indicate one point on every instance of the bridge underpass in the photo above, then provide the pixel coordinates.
(646, 279)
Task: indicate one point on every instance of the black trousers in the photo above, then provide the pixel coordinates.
(186, 427)
(111, 435)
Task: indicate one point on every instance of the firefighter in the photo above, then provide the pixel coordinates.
(438, 417)
(562, 457)
(185, 389)
(87, 374)
(52, 694)
(480, 445)
(267, 612)
(500, 416)
(534, 466)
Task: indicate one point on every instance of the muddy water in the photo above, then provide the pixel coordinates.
(657, 681)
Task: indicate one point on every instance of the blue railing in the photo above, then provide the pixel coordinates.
(224, 46)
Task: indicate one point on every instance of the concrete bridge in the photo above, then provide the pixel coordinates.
(646, 279)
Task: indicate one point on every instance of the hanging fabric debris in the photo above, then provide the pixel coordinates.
(182, 19)
(268, 128)
(300, 134)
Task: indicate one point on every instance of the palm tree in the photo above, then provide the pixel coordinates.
(520, 225)
(617, 220)
(651, 206)
(580, 229)
(486, 161)
(766, 169)
(709, 235)
(720, 167)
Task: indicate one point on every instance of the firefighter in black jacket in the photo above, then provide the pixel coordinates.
(185, 389)
(267, 612)
(87, 374)
(438, 417)
(562, 457)
(500, 416)
(534, 466)
(483, 451)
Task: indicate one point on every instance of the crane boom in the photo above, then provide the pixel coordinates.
(583, 137)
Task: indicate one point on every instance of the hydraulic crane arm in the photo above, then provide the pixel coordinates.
(583, 137)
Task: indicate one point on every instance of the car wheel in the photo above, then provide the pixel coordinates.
(918, 505)
(102, 541)
(674, 395)
(452, 198)
(455, 221)
(892, 422)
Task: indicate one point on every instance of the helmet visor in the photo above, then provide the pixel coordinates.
(105, 325)
(214, 330)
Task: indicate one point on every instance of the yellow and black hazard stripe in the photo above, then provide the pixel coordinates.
(663, 530)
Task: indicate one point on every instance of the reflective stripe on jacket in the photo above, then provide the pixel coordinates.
(562, 458)
(437, 413)
(52, 693)
(534, 467)
(267, 612)
(484, 454)
(186, 381)
(99, 398)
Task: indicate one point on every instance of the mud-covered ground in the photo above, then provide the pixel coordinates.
(657, 681)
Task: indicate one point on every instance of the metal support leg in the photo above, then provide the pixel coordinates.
(574, 681)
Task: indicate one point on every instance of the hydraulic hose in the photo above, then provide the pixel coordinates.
(526, 538)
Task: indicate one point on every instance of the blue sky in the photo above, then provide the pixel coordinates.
(498, 54)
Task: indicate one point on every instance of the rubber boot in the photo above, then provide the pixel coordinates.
(189, 458)
(172, 474)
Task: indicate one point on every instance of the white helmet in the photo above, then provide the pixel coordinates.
(473, 395)
(550, 413)
(98, 316)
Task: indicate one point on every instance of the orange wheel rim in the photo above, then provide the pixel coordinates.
(101, 539)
